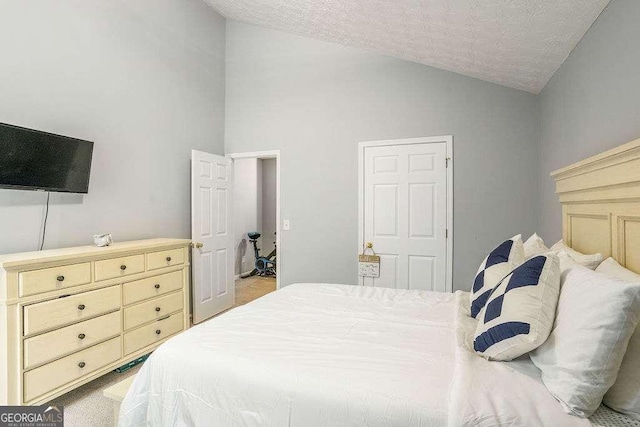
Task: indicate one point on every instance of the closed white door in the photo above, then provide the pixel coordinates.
(212, 234)
(405, 214)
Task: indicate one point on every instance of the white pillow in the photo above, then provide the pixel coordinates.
(519, 314)
(566, 262)
(500, 261)
(611, 267)
(534, 246)
(590, 261)
(595, 318)
(624, 396)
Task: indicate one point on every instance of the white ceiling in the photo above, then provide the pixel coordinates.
(515, 43)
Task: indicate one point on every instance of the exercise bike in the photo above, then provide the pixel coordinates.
(264, 266)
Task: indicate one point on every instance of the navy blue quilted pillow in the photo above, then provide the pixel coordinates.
(520, 312)
(500, 261)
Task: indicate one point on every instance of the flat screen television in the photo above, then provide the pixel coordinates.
(35, 160)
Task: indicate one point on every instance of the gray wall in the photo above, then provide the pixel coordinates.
(247, 214)
(592, 103)
(142, 79)
(269, 208)
(315, 101)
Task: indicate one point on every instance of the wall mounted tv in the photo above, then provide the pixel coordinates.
(34, 160)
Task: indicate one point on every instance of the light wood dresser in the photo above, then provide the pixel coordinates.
(68, 316)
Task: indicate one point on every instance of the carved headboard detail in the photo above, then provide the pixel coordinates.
(600, 199)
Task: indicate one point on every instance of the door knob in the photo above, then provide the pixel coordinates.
(199, 245)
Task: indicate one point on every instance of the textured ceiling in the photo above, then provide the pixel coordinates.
(515, 43)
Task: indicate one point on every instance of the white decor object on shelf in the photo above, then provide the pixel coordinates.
(101, 240)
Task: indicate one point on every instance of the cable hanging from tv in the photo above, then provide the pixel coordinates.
(44, 225)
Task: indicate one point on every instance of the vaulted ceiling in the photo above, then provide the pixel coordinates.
(515, 43)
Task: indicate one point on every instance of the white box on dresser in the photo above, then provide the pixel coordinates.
(68, 316)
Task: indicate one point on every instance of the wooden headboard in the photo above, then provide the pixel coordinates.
(600, 199)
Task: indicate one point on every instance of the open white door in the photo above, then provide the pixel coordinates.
(211, 232)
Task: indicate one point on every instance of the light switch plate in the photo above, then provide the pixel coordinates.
(286, 225)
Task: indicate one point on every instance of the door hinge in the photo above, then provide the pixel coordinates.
(446, 233)
(446, 160)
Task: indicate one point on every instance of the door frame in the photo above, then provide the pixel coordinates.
(448, 140)
(269, 154)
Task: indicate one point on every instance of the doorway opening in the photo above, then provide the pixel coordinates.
(256, 211)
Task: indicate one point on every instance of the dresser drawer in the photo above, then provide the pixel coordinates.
(55, 374)
(119, 267)
(52, 345)
(163, 259)
(52, 279)
(151, 287)
(142, 313)
(153, 332)
(63, 311)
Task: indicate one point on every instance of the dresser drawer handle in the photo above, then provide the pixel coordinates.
(168, 259)
(157, 286)
(81, 336)
(82, 364)
(123, 267)
(60, 278)
(81, 307)
(158, 331)
(157, 308)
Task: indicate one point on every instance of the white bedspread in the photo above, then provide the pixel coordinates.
(487, 394)
(335, 355)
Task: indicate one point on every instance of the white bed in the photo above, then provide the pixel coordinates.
(336, 355)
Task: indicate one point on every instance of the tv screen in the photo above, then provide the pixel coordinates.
(34, 160)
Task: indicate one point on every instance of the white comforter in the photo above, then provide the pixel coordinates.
(335, 355)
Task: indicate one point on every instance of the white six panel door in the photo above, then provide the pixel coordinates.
(405, 214)
(212, 234)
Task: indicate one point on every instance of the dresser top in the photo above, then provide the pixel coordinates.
(54, 255)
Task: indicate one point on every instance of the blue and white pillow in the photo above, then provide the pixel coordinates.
(520, 312)
(500, 261)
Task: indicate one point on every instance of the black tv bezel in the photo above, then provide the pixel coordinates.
(50, 189)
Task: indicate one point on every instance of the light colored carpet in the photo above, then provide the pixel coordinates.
(87, 407)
